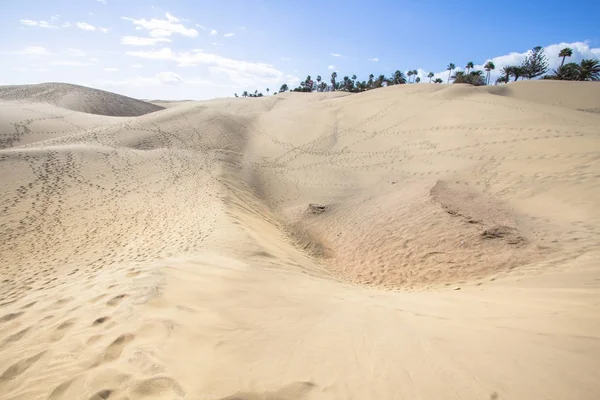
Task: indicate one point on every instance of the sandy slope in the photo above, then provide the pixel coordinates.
(240, 249)
(78, 98)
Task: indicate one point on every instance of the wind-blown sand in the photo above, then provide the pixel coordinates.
(304, 246)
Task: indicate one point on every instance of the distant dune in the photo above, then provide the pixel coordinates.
(418, 241)
(78, 98)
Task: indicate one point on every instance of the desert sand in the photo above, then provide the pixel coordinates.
(411, 242)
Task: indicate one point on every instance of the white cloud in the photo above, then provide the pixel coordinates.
(85, 26)
(374, 59)
(169, 77)
(72, 63)
(66, 25)
(285, 59)
(111, 69)
(229, 34)
(55, 17)
(101, 1)
(331, 67)
(105, 30)
(136, 66)
(163, 27)
(35, 51)
(202, 27)
(76, 52)
(187, 64)
(336, 55)
(581, 50)
(94, 59)
(90, 13)
(214, 33)
(142, 41)
(243, 73)
(41, 24)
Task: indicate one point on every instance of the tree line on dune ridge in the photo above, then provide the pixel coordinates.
(535, 65)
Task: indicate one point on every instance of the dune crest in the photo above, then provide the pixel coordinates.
(78, 98)
(417, 241)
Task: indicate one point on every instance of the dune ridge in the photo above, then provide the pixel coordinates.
(78, 98)
(417, 241)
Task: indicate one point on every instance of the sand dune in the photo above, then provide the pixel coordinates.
(304, 246)
(78, 98)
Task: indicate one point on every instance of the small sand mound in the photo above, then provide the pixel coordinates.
(581, 96)
(78, 98)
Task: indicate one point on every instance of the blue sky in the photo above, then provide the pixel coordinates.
(203, 49)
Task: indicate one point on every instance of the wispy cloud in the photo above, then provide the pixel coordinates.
(374, 59)
(285, 59)
(243, 73)
(67, 63)
(76, 52)
(230, 34)
(163, 27)
(169, 77)
(85, 26)
(214, 33)
(142, 41)
(35, 51)
(331, 67)
(101, 1)
(41, 24)
(137, 66)
(202, 27)
(336, 55)
(111, 69)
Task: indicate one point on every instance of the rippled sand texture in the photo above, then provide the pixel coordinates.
(412, 242)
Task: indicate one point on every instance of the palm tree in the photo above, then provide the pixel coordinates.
(410, 74)
(450, 68)
(438, 80)
(245, 94)
(588, 70)
(370, 82)
(469, 66)
(418, 79)
(567, 72)
(564, 53)
(415, 73)
(235, 94)
(333, 76)
(284, 88)
(489, 66)
(399, 78)
(430, 75)
(267, 91)
(506, 72)
(318, 81)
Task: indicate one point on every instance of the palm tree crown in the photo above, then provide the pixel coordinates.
(450, 68)
(564, 53)
(489, 66)
(469, 66)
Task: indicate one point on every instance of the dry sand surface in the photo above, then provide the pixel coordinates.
(302, 246)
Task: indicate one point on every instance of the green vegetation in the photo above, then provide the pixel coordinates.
(535, 65)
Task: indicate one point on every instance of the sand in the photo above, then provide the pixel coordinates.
(411, 242)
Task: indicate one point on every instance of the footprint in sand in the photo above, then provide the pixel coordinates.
(19, 367)
(116, 300)
(114, 350)
(10, 317)
(100, 321)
